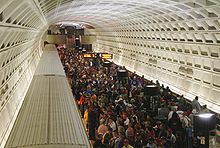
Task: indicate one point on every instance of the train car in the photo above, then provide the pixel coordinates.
(49, 116)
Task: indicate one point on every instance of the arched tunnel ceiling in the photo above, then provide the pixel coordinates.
(178, 19)
(131, 27)
(175, 41)
(131, 22)
(144, 14)
(175, 17)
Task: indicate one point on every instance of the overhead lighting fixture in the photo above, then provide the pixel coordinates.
(151, 85)
(122, 70)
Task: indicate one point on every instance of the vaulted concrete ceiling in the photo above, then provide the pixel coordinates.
(174, 41)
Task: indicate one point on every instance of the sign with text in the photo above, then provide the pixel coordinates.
(88, 55)
(106, 56)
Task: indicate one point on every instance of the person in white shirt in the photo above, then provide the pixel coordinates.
(185, 120)
(196, 105)
(171, 113)
(112, 124)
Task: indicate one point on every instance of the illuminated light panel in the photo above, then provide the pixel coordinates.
(89, 55)
(106, 56)
(207, 115)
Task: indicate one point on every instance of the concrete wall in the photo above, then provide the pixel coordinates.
(58, 39)
(88, 39)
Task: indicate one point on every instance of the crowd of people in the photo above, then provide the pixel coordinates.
(116, 111)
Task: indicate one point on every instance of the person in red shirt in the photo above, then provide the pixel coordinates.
(81, 104)
(150, 132)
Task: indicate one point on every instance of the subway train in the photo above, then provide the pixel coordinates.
(176, 42)
(48, 117)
